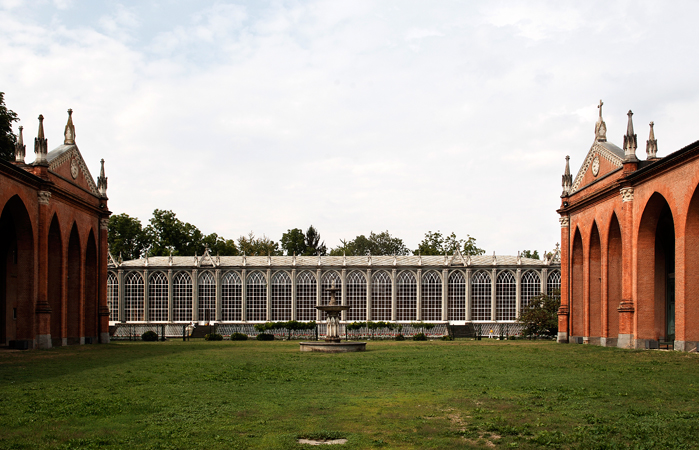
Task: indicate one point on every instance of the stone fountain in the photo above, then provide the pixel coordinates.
(333, 343)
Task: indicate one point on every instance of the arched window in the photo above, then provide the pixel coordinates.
(281, 296)
(381, 294)
(231, 297)
(356, 296)
(553, 284)
(182, 297)
(207, 297)
(406, 296)
(531, 287)
(256, 297)
(157, 297)
(480, 296)
(431, 296)
(113, 296)
(456, 306)
(328, 279)
(133, 297)
(306, 293)
(506, 296)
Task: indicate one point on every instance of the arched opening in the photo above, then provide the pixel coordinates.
(16, 273)
(55, 282)
(281, 296)
(91, 297)
(688, 331)
(381, 293)
(74, 297)
(656, 271)
(595, 286)
(613, 277)
(306, 292)
(576, 298)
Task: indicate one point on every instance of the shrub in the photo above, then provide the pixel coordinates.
(213, 337)
(541, 317)
(150, 336)
(400, 337)
(239, 337)
(447, 338)
(420, 337)
(265, 337)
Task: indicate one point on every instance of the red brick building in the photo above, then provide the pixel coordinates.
(53, 247)
(630, 246)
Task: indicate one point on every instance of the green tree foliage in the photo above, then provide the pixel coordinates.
(540, 318)
(126, 237)
(217, 245)
(166, 233)
(530, 254)
(7, 138)
(376, 244)
(438, 244)
(295, 242)
(252, 246)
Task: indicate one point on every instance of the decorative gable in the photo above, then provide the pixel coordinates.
(603, 158)
(67, 162)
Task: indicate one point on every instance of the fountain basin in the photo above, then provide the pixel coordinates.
(333, 347)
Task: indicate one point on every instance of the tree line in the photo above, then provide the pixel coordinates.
(166, 234)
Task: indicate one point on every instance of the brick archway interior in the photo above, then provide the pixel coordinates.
(73, 288)
(577, 308)
(16, 273)
(656, 263)
(595, 283)
(55, 281)
(614, 262)
(91, 300)
(690, 311)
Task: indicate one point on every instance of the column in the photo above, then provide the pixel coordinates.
(626, 307)
(518, 292)
(319, 292)
(544, 276)
(269, 295)
(219, 312)
(170, 313)
(43, 309)
(293, 295)
(394, 295)
(564, 309)
(493, 295)
(243, 295)
(343, 279)
(102, 307)
(368, 295)
(468, 295)
(445, 294)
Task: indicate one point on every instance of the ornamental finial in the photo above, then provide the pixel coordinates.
(600, 126)
(630, 140)
(567, 179)
(41, 145)
(20, 148)
(651, 144)
(102, 181)
(69, 133)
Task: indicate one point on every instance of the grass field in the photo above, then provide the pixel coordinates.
(238, 395)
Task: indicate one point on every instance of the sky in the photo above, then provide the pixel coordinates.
(353, 116)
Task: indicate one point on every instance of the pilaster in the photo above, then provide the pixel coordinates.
(42, 308)
(219, 312)
(170, 314)
(394, 295)
(518, 292)
(445, 294)
(195, 295)
(627, 306)
(294, 315)
(269, 295)
(368, 295)
(468, 295)
(146, 289)
(343, 280)
(563, 310)
(243, 295)
(102, 274)
(493, 294)
(319, 293)
(418, 276)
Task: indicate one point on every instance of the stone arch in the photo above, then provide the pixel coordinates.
(655, 303)
(689, 334)
(17, 265)
(614, 261)
(594, 256)
(91, 283)
(577, 310)
(55, 281)
(74, 287)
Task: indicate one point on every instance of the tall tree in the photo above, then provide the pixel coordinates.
(7, 137)
(376, 244)
(217, 245)
(435, 243)
(252, 246)
(530, 254)
(541, 317)
(313, 244)
(294, 242)
(166, 233)
(126, 237)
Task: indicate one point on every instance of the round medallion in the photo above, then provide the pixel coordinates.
(595, 166)
(74, 168)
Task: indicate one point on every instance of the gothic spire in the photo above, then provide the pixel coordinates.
(102, 181)
(41, 145)
(70, 130)
(567, 179)
(651, 144)
(600, 126)
(630, 141)
(20, 148)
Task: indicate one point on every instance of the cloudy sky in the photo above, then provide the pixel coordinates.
(352, 116)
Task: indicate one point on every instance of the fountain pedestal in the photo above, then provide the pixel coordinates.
(333, 343)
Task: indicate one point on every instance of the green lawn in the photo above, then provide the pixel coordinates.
(239, 395)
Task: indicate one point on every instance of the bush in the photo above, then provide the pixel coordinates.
(447, 338)
(420, 337)
(213, 337)
(400, 337)
(265, 337)
(239, 337)
(150, 336)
